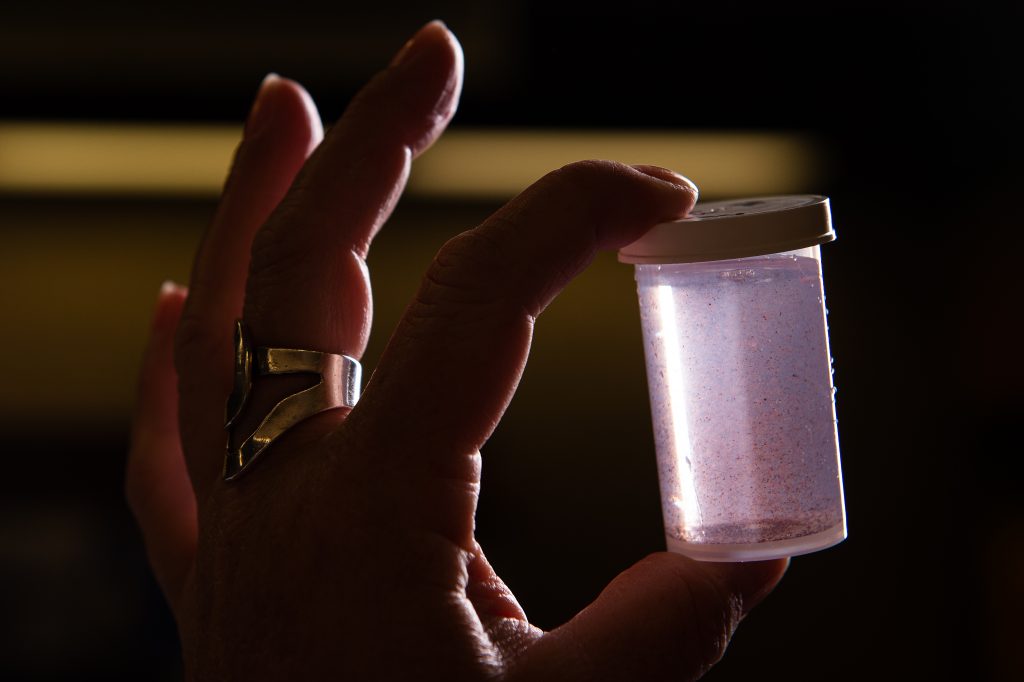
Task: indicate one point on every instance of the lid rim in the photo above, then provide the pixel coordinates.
(738, 228)
(766, 250)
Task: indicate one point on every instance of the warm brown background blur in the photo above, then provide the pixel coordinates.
(116, 124)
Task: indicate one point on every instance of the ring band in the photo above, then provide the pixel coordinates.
(339, 384)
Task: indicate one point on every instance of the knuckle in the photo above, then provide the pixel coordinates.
(202, 352)
(465, 268)
(195, 340)
(578, 191)
(273, 254)
(278, 248)
(584, 173)
(469, 283)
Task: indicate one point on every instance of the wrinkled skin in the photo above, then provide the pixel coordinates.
(348, 551)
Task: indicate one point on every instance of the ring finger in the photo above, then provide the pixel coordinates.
(282, 130)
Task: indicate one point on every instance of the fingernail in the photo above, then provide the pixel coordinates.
(170, 286)
(261, 113)
(167, 303)
(412, 47)
(668, 176)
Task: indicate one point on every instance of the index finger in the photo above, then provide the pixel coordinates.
(455, 360)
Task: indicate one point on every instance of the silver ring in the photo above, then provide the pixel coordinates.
(340, 377)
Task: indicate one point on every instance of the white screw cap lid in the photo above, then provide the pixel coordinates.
(737, 228)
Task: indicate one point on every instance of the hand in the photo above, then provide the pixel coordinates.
(348, 551)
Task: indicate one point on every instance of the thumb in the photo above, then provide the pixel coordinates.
(667, 617)
(157, 484)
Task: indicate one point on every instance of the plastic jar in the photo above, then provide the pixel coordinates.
(740, 378)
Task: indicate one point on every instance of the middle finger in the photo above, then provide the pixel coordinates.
(308, 286)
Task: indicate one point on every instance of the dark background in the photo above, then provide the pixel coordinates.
(916, 106)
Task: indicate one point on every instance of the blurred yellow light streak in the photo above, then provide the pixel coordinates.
(192, 160)
(501, 163)
(90, 273)
(114, 159)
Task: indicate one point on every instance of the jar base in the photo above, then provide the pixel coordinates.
(759, 551)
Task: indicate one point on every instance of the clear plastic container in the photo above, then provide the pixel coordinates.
(740, 379)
